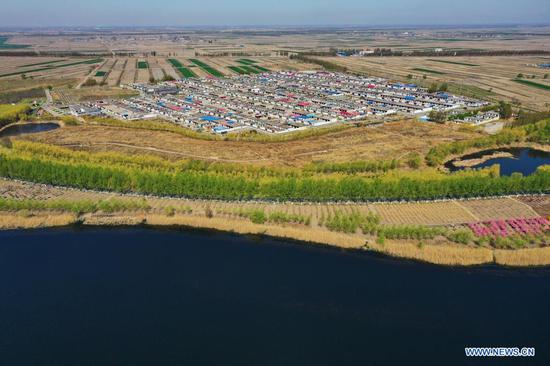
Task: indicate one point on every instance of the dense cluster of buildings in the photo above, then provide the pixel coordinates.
(277, 102)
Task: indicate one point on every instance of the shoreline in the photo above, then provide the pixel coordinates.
(456, 161)
(446, 254)
(467, 163)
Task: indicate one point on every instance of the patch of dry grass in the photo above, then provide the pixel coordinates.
(438, 254)
(11, 221)
(523, 257)
(246, 227)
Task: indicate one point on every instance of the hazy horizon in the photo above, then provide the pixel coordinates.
(246, 13)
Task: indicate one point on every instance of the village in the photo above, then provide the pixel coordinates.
(277, 102)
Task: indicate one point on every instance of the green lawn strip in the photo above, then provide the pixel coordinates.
(212, 71)
(142, 65)
(428, 70)
(42, 63)
(100, 74)
(453, 62)
(532, 83)
(238, 70)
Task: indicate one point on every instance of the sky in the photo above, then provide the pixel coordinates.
(49, 13)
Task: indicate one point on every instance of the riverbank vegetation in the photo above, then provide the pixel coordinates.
(538, 132)
(10, 113)
(147, 175)
(73, 206)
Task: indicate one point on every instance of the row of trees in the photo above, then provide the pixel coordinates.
(327, 65)
(200, 185)
(360, 166)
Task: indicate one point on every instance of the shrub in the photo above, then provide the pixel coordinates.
(169, 211)
(258, 217)
(414, 161)
(462, 236)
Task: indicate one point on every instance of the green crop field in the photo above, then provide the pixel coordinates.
(238, 70)
(212, 71)
(428, 70)
(52, 67)
(263, 69)
(100, 74)
(41, 63)
(6, 46)
(453, 62)
(250, 69)
(142, 65)
(533, 84)
(185, 72)
(246, 61)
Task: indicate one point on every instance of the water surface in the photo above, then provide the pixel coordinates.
(524, 160)
(20, 129)
(144, 296)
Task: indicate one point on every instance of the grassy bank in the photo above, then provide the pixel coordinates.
(12, 113)
(441, 254)
(124, 173)
(251, 136)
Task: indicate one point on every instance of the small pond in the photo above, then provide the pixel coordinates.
(20, 129)
(524, 160)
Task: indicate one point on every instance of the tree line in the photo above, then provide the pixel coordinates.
(192, 184)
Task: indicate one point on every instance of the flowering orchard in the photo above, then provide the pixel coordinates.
(505, 228)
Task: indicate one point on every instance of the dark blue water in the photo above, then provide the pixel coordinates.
(16, 130)
(136, 296)
(525, 161)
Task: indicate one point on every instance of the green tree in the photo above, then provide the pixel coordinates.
(504, 110)
(438, 116)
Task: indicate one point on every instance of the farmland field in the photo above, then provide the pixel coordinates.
(206, 67)
(184, 71)
(452, 62)
(492, 79)
(428, 71)
(142, 65)
(428, 214)
(533, 84)
(129, 74)
(10, 46)
(143, 73)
